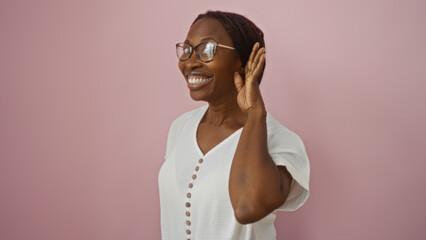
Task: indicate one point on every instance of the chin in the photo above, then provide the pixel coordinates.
(197, 96)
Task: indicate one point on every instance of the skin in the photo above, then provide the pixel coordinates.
(256, 185)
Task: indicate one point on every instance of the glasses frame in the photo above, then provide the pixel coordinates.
(194, 49)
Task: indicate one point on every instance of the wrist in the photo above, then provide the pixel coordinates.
(257, 112)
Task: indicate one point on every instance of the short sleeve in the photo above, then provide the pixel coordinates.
(287, 149)
(172, 138)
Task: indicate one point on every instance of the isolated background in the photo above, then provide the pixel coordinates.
(88, 90)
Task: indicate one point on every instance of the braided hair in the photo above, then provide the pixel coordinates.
(243, 32)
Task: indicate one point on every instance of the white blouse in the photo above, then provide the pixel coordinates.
(194, 197)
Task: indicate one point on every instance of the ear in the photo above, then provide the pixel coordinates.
(238, 65)
(241, 70)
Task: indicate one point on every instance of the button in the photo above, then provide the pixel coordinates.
(187, 204)
(188, 231)
(187, 213)
(188, 223)
(194, 176)
(200, 161)
(190, 185)
(188, 195)
(197, 168)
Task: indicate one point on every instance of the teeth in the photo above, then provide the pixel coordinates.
(198, 80)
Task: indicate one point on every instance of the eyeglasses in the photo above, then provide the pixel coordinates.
(204, 51)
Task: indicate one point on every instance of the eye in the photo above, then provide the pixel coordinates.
(209, 49)
(186, 50)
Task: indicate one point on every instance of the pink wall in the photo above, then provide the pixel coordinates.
(88, 90)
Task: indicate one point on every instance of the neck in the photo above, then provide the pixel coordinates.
(225, 112)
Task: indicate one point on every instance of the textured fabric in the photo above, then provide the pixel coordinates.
(211, 213)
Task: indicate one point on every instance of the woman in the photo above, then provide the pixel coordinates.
(229, 165)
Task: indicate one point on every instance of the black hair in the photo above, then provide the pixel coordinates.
(243, 32)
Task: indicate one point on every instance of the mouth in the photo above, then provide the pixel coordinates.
(198, 81)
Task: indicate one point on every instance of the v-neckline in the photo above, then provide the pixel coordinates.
(197, 146)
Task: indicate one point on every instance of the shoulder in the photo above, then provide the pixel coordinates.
(181, 125)
(187, 117)
(279, 132)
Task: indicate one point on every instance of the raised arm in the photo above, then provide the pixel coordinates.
(256, 185)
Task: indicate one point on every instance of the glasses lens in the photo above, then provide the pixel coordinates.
(183, 51)
(206, 51)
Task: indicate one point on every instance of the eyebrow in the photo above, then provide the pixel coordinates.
(204, 39)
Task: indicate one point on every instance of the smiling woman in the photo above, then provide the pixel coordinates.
(229, 165)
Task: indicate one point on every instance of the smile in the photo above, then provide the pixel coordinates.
(197, 81)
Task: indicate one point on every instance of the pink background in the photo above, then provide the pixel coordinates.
(88, 90)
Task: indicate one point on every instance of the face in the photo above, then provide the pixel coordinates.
(215, 78)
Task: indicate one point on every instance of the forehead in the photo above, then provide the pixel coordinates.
(208, 28)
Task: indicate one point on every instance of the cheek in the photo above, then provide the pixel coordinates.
(180, 66)
(225, 70)
(226, 64)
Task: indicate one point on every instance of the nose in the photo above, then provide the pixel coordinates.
(193, 62)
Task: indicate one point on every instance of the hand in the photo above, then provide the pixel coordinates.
(249, 98)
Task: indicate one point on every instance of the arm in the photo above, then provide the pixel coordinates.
(256, 185)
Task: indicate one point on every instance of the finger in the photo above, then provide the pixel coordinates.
(252, 54)
(251, 75)
(256, 59)
(239, 84)
(259, 66)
